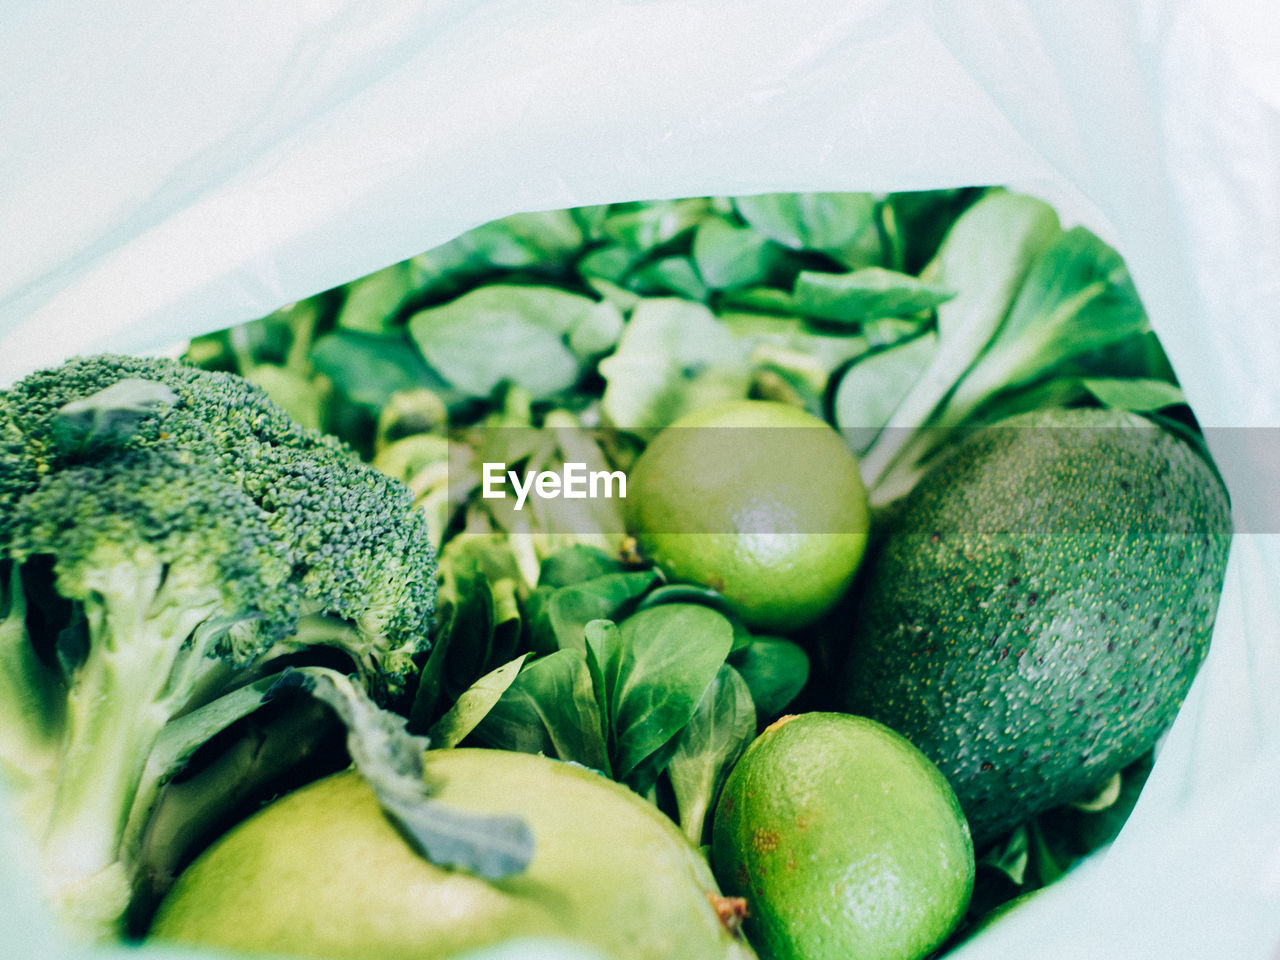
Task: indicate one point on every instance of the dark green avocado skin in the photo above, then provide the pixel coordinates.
(1039, 605)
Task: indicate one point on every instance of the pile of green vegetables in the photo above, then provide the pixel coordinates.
(903, 320)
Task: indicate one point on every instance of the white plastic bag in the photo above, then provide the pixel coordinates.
(172, 169)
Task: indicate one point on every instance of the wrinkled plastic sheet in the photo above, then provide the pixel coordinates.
(173, 169)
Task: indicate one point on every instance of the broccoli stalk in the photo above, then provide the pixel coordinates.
(30, 699)
(133, 680)
(168, 536)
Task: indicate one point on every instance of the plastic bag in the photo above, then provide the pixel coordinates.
(171, 170)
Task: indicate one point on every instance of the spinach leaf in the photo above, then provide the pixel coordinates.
(368, 368)
(766, 300)
(534, 337)
(722, 726)
(731, 256)
(685, 593)
(815, 221)
(576, 563)
(874, 385)
(479, 622)
(644, 226)
(774, 670)
(985, 258)
(1077, 297)
(920, 219)
(669, 275)
(472, 706)
(1138, 395)
(611, 262)
(551, 708)
(607, 597)
(604, 659)
(182, 737)
(523, 240)
(790, 349)
(669, 656)
(541, 243)
(861, 295)
(371, 303)
(673, 357)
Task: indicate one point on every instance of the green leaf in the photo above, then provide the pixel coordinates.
(674, 357)
(550, 708)
(1010, 857)
(596, 332)
(922, 219)
(730, 256)
(470, 596)
(722, 726)
(1077, 298)
(670, 655)
(611, 262)
(429, 698)
(369, 368)
(521, 240)
(1056, 392)
(590, 220)
(685, 593)
(643, 778)
(768, 300)
(1103, 798)
(479, 621)
(606, 597)
(789, 348)
(853, 298)
(775, 671)
(643, 226)
(604, 661)
(184, 735)
(521, 335)
(874, 385)
(816, 221)
(391, 761)
(408, 458)
(371, 303)
(575, 564)
(1046, 863)
(1138, 395)
(669, 275)
(610, 292)
(1073, 830)
(470, 708)
(985, 258)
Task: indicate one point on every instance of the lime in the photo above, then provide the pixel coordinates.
(322, 873)
(758, 500)
(845, 842)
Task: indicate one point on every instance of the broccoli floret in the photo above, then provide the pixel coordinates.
(166, 535)
(359, 554)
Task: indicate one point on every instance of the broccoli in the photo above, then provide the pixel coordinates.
(169, 540)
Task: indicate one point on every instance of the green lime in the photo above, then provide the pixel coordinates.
(845, 842)
(758, 500)
(322, 873)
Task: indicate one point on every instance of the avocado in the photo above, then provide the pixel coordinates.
(1038, 606)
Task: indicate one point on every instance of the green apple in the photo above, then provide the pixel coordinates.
(323, 873)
